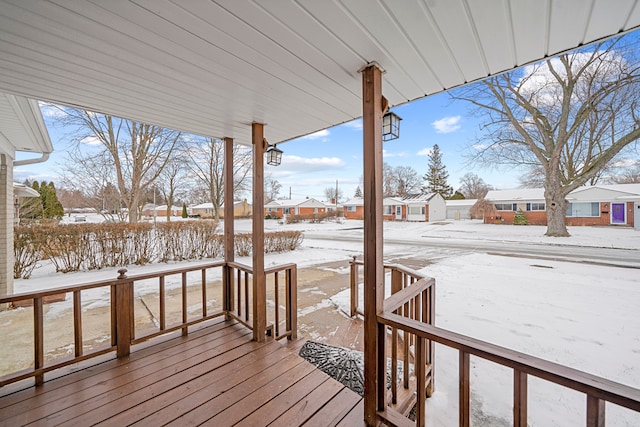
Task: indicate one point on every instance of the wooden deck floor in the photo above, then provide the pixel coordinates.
(215, 376)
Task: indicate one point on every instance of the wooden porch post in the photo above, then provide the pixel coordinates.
(229, 246)
(374, 337)
(259, 282)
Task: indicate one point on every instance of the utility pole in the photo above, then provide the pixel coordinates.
(336, 200)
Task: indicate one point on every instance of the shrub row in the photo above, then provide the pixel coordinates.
(94, 246)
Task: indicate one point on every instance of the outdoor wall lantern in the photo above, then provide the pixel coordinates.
(390, 126)
(274, 155)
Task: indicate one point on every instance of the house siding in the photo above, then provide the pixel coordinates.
(540, 217)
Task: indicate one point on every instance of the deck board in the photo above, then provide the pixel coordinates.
(214, 376)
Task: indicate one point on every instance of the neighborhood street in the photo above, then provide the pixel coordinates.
(434, 247)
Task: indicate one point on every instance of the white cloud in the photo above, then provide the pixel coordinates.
(51, 110)
(91, 140)
(295, 165)
(479, 146)
(447, 124)
(425, 152)
(317, 135)
(386, 153)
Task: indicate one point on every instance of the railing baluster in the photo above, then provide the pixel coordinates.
(239, 312)
(354, 287)
(163, 313)
(38, 338)
(77, 324)
(420, 381)
(185, 329)
(464, 389)
(246, 296)
(277, 300)
(204, 292)
(595, 412)
(519, 398)
(114, 317)
(292, 304)
(394, 365)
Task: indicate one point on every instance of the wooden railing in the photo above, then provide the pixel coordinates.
(414, 295)
(168, 318)
(282, 321)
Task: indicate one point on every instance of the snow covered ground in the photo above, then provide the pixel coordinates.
(582, 316)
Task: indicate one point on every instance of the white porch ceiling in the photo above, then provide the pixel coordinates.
(213, 67)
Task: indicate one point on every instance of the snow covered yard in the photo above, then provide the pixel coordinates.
(580, 315)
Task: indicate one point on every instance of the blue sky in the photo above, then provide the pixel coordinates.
(315, 162)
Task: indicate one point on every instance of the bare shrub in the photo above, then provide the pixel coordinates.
(26, 252)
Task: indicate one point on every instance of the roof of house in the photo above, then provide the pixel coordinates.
(208, 205)
(420, 197)
(290, 203)
(461, 202)
(630, 189)
(392, 201)
(515, 195)
(356, 201)
(21, 190)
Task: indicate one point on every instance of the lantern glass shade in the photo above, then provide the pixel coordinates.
(390, 126)
(274, 156)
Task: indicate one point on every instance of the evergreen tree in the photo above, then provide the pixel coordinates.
(31, 208)
(184, 210)
(520, 218)
(437, 175)
(52, 208)
(457, 196)
(358, 192)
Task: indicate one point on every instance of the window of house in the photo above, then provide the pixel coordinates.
(268, 209)
(388, 210)
(416, 210)
(506, 206)
(581, 210)
(286, 211)
(351, 208)
(536, 207)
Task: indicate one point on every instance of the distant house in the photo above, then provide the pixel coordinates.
(21, 192)
(460, 209)
(597, 205)
(414, 207)
(393, 209)
(354, 208)
(205, 210)
(173, 211)
(283, 208)
(425, 207)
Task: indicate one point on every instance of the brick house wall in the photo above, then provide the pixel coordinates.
(540, 217)
(358, 214)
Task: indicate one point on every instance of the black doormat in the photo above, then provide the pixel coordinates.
(343, 365)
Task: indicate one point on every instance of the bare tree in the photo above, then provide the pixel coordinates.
(569, 116)
(134, 153)
(272, 189)
(399, 180)
(626, 172)
(473, 187)
(172, 180)
(330, 194)
(207, 163)
(407, 180)
(93, 176)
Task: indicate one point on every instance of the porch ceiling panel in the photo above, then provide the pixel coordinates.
(212, 67)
